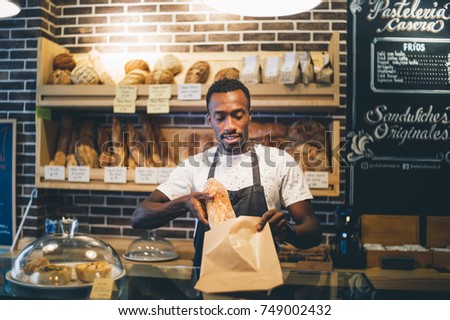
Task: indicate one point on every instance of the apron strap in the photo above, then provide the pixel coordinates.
(255, 166)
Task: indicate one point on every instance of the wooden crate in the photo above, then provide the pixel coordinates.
(392, 230)
(438, 236)
(47, 133)
(265, 97)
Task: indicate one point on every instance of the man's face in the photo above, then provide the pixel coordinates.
(229, 116)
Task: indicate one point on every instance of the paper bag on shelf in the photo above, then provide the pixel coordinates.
(238, 258)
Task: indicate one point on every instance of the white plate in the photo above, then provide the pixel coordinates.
(31, 281)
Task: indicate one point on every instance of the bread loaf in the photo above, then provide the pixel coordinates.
(135, 147)
(136, 64)
(65, 132)
(219, 208)
(307, 130)
(85, 150)
(168, 62)
(229, 73)
(34, 265)
(257, 131)
(71, 159)
(159, 77)
(64, 61)
(103, 144)
(118, 155)
(59, 76)
(197, 73)
(153, 155)
(135, 76)
(84, 73)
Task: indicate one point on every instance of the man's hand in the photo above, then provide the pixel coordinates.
(194, 204)
(276, 222)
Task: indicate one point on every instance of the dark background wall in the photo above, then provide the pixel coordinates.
(143, 26)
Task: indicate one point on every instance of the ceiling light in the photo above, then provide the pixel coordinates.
(259, 8)
(9, 8)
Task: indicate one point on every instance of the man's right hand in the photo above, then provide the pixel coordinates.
(193, 203)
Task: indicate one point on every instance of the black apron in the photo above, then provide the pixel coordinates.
(249, 201)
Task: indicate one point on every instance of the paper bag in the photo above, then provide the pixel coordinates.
(238, 258)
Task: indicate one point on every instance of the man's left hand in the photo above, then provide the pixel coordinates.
(277, 224)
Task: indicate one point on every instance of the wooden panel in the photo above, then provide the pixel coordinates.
(438, 231)
(390, 229)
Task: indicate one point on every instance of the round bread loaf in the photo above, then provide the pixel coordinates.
(168, 62)
(197, 73)
(135, 76)
(88, 272)
(136, 64)
(54, 274)
(64, 61)
(159, 77)
(229, 73)
(59, 76)
(84, 74)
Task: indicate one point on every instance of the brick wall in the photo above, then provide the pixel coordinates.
(134, 26)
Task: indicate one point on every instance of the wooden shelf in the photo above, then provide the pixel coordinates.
(265, 97)
(47, 130)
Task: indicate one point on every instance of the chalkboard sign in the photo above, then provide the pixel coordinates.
(398, 115)
(7, 182)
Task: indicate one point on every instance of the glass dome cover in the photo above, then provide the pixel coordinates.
(150, 248)
(67, 260)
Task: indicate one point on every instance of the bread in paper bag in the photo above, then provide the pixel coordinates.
(236, 257)
(219, 208)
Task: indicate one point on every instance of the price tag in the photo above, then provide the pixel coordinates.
(126, 92)
(115, 175)
(54, 173)
(163, 174)
(158, 106)
(79, 173)
(190, 91)
(43, 113)
(317, 179)
(146, 175)
(160, 91)
(124, 106)
(102, 289)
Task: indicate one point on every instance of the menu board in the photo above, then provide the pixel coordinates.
(8, 183)
(398, 114)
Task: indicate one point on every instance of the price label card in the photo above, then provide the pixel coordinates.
(163, 174)
(160, 91)
(102, 289)
(79, 173)
(190, 91)
(54, 173)
(115, 175)
(146, 175)
(124, 106)
(126, 92)
(158, 106)
(317, 179)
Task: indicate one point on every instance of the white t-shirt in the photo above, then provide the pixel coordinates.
(281, 177)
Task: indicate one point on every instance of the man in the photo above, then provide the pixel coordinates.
(259, 179)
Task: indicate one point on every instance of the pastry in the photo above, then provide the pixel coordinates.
(59, 76)
(229, 73)
(54, 274)
(32, 266)
(88, 272)
(197, 73)
(219, 208)
(168, 62)
(64, 61)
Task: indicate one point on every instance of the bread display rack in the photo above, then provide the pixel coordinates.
(265, 97)
(80, 98)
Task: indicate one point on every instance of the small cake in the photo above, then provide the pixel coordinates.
(54, 274)
(33, 266)
(87, 272)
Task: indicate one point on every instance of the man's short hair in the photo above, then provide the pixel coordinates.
(226, 85)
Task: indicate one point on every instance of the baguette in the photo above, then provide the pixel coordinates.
(103, 144)
(118, 156)
(71, 159)
(219, 208)
(153, 155)
(65, 130)
(85, 150)
(135, 147)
